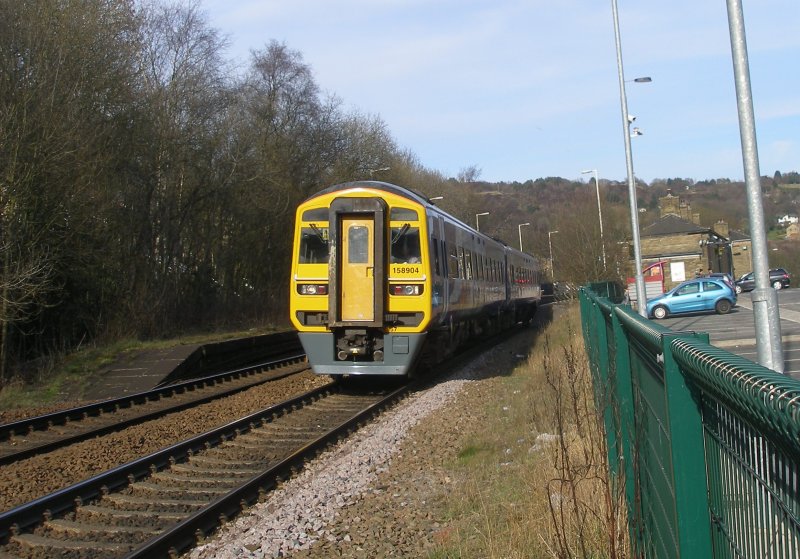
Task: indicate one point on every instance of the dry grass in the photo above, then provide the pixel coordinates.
(535, 477)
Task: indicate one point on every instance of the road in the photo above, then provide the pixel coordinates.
(735, 332)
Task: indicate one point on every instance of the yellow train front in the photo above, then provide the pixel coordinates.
(377, 270)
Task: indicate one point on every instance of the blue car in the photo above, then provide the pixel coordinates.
(697, 295)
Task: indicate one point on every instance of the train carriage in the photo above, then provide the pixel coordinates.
(378, 269)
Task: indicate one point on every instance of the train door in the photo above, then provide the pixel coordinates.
(358, 268)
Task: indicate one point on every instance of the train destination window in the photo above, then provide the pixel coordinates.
(358, 244)
(405, 244)
(314, 245)
(403, 214)
(317, 214)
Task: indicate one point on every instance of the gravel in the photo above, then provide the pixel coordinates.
(380, 493)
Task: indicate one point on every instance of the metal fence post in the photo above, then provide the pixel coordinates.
(687, 448)
(626, 424)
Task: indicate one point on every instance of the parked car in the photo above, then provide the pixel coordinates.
(778, 278)
(696, 295)
(724, 277)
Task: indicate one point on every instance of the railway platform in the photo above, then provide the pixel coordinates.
(138, 371)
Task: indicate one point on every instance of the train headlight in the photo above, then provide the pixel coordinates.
(312, 289)
(405, 289)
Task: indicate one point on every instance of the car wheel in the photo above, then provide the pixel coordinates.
(777, 284)
(738, 289)
(723, 306)
(660, 312)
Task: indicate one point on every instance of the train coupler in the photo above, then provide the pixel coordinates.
(359, 345)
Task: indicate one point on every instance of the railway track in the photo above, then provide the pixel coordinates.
(36, 435)
(160, 504)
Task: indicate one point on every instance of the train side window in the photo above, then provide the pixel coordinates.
(358, 244)
(453, 263)
(435, 244)
(313, 245)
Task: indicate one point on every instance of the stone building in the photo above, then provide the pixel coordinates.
(686, 249)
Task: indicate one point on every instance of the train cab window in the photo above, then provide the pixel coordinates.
(358, 244)
(313, 245)
(405, 244)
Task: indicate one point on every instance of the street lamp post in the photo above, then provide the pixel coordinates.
(550, 244)
(641, 294)
(373, 171)
(769, 345)
(519, 228)
(477, 223)
(599, 213)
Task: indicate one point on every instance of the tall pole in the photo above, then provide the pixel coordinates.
(550, 244)
(599, 214)
(641, 295)
(765, 299)
(519, 227)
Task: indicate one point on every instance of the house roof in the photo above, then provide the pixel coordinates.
(736, 235)
(673, 225)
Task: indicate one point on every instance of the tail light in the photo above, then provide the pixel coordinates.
(405, 289)
(312, 288)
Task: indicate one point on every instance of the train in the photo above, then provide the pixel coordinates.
(382, 278)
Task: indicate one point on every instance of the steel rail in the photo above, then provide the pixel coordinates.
(44, 422)
(33, 513)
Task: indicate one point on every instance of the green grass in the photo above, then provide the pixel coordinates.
(533, 477)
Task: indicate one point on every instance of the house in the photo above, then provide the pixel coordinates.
(689, 249)
(788, 219)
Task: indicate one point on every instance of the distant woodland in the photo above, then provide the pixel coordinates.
(148, 188)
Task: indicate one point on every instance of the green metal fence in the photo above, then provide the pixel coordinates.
(707, 443)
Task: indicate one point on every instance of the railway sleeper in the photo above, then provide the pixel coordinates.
(145, 488)
(33, 545)
(126, 501)
(110, 515)
(303, 430)
(228, 469)
(240, 453)
(271, 439)
(62, 529)
(267, 435)
(220, 462)
(179, 479)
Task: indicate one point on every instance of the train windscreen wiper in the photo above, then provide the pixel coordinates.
(318, 233)
(403, 230)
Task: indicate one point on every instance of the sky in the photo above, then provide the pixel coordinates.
(523, 89)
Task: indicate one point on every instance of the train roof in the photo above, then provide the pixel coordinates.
(378, 185)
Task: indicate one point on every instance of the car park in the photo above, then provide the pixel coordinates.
(778, 279)
(696, 295)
